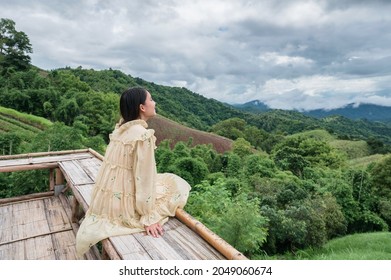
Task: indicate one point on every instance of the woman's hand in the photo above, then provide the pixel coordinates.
(155, 230)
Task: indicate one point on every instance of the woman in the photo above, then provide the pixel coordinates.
(129, 196)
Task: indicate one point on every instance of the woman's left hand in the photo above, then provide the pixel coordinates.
(155, 230)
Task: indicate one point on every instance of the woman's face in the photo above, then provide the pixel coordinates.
(147, 110)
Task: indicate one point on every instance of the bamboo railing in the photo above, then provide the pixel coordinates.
(57, 177)
(212, 238)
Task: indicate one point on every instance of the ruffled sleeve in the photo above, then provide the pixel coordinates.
(145, 179)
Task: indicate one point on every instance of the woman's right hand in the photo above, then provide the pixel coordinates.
(156, 230)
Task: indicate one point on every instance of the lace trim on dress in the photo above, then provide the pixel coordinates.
(149, 134)
(124, 125)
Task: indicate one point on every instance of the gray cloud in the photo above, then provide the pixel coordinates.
(288, 54)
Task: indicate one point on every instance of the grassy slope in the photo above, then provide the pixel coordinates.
(20, 125)
(357, 151)
(15, 119)
(363, 246)
(168, 129)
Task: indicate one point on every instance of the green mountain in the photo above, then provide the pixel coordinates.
(90, 97)
(370, 112)
(196, 111)
(178, 104)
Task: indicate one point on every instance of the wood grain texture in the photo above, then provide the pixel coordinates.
(39, 226)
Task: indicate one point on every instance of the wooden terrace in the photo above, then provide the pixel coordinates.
(43, 226)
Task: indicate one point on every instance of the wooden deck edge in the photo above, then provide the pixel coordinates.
(9, 200)
(109, 252)
(212, 238)
(36, 166)
(38, 154)
(96, 154)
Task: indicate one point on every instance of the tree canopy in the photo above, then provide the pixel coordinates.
(14, 46)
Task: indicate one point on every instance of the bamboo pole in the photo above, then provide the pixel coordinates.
(36, 235)
(4, 201)
(96, 154)
(43, 154)
(28, 167)
(213, 239)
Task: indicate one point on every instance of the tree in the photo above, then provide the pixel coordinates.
(14, 46)
(242, 147)
(381, 177)
(58, 137)
(381, 181)
(191, 169)
(231, 128)
(237, 220)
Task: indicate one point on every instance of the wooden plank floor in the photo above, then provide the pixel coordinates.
(41, 228)
(38, 229)
(178, 243)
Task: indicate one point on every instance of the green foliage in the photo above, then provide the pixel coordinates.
(331, 211)
(232, 165)
(381, 177)
(297, 153)
(364, 162)
(352, 149)
(58, 137)
(237, 219)
(241, 147)
(23, 182)
(208, 155)
(237, 128)
(10, 143)
(230, 128)
(243, 225)
(191, 169)
(14, 46)
(260, 165)
(376, 146)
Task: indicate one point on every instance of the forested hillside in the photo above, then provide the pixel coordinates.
(282, 182)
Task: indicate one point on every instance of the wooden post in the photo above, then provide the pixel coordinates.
(75, 210)
(51, 179)
(59, 177)
(108, 251)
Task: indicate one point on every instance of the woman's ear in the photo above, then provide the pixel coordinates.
(142, 108)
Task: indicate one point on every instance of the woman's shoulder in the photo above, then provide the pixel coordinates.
(133, 131)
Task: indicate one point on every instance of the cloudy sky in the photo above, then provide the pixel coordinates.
(289, 54)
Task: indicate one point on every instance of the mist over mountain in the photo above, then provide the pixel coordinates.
(351, 111)
(370, 112)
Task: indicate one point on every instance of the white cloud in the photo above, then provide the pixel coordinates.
(284, 60)
(296, 53)
(316, 92)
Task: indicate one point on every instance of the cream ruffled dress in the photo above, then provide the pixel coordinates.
(128, 192)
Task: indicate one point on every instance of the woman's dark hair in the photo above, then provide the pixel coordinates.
(130, 101)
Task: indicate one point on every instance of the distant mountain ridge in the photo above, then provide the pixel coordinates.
(370, 112)
(198, 112)
(254, 106)
(351, 111)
